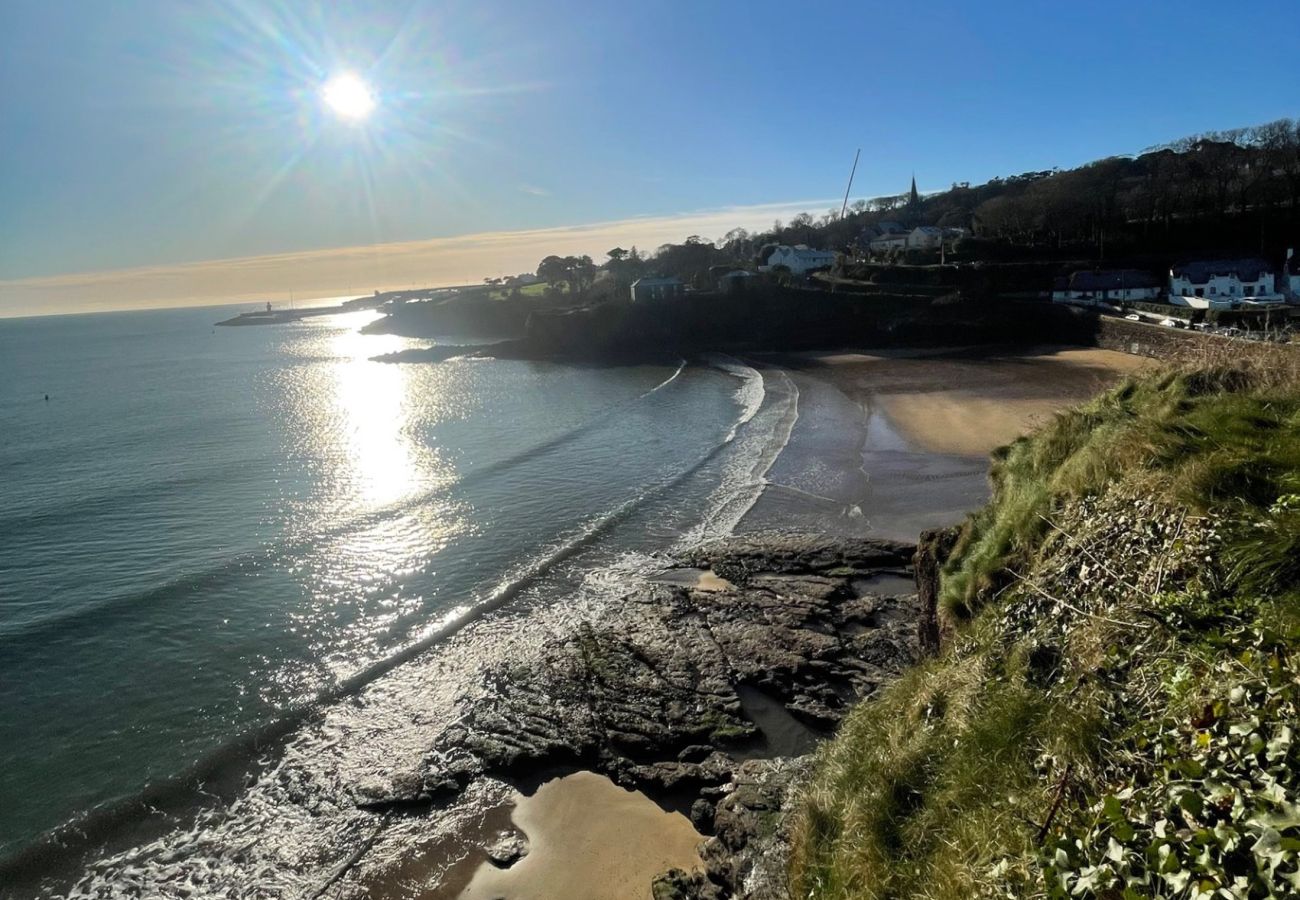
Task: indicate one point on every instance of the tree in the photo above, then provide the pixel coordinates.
(617, 255)
(582, 272)
(553, 270)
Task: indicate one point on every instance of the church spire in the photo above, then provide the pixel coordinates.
(914, 198)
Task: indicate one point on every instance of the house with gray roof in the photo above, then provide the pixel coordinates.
(654, 288)
(1107, 286)
(801, 259)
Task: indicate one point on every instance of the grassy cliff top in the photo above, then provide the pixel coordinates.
(1113, 712)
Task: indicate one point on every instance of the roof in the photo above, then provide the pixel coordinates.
(1201, 271)
(802, 252)
(1112, 280)
(928, 229)
(652, 281)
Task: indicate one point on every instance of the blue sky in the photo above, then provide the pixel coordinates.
(151, 132)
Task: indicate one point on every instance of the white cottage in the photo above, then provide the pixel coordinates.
(887, 242)
(925, 237)
(1222, 283)
(801, 259)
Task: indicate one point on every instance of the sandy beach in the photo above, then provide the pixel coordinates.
(967, 406)
(589, 840)
(891, 442)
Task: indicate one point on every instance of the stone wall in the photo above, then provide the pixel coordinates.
(1160, 342)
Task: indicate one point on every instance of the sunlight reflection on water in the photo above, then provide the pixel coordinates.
(361, 424)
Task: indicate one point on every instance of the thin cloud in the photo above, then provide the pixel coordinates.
(534, 190)
(463, 259)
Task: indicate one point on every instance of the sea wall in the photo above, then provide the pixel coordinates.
(1161, 343)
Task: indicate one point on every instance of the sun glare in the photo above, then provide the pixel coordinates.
(348, 97)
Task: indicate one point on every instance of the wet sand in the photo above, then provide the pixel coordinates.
(888, 443)
(589, 839)
(973, 409)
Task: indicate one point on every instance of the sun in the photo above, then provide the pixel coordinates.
(348, 97)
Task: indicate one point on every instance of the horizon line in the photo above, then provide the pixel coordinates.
(324, 272)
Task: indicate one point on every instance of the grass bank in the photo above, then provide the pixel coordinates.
(1114, 710)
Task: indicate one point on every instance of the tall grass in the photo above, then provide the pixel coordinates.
(1205, 437)
(945, 783)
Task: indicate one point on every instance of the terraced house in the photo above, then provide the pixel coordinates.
(1106, 285)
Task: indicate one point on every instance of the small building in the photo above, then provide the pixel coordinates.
(801, 259)
(1293, 274)
(1106, 286)
(925, 237)
(878, 231)
(887, 242)
(1223, 283)
(736, 280)
(654, 288)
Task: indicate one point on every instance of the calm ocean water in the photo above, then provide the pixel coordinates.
(205, 528)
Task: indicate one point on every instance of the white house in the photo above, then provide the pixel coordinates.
(801, 259)
(1106, 285)
(925, 237)
(878, 236)
(1222, 283)
(887, 242)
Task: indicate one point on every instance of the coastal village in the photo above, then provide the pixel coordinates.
(1200, 235)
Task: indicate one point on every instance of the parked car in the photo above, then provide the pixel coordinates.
(1133, 317)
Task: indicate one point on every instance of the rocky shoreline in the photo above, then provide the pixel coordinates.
(705, 689)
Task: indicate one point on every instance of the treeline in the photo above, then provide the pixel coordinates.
(1222, 192)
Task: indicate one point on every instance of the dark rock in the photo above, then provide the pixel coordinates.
(678, 885)
(647, 694)
(749, 851)
(702, 812)
(932, 551)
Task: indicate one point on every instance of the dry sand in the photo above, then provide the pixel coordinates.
(589, 839)
(968, 405)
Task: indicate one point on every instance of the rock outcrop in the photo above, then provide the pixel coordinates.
(694, 690)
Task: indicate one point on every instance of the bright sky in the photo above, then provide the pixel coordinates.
(161, 153)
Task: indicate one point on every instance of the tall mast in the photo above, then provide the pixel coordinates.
(852, 172)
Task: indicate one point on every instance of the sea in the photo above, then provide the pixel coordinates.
(212, 538)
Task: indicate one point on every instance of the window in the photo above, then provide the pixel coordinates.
(1200, 292)
(1213, 291)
